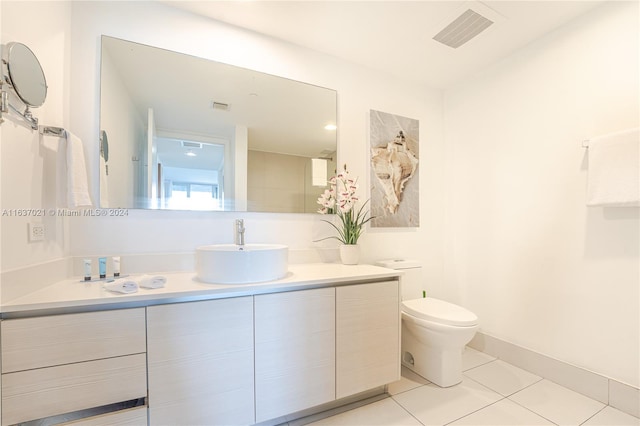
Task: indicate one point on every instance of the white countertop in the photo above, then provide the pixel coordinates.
(73, 294)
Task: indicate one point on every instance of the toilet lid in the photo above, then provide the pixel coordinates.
(439, 311)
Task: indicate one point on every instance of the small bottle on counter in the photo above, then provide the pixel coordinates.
(116, 266)
(87, 269)
(102, 264)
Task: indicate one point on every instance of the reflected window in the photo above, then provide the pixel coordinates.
(198, 196)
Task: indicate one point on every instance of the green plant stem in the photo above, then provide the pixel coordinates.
(352, 225)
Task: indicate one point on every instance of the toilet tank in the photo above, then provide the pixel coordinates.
(411, 282)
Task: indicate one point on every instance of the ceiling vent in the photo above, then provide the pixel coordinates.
(188, 144)
(463, 28)
(220, 106)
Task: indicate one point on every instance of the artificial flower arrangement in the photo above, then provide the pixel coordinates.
(341, 199)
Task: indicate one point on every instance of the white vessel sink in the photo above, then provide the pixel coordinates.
(234, 264)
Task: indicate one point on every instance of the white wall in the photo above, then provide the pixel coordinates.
(539, 268)
(126, 131)
(519, 234)
(359, 90)
(68, 46)
(30, 166)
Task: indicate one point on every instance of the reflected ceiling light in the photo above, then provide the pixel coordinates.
(190, 153)
(330, 127)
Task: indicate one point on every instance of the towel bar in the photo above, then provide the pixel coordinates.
(52, 131)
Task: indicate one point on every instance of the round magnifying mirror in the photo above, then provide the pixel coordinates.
(26, 75)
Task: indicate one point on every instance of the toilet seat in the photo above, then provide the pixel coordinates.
(439, 311)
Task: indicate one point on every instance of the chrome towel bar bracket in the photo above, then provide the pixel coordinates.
(52, 131)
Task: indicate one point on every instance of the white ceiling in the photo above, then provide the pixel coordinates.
(396, 36)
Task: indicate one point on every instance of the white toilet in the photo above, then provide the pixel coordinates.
(434, 332)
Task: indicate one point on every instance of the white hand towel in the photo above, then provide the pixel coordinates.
(121, 286)
(614, 170)
(104, 187)
(77, 182)
(155, 281)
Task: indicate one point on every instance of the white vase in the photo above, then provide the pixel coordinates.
(350, 254)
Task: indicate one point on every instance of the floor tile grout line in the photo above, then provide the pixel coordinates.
(495, 391)
(409, 390)
(507, 398)
(501, 396)
(558, 383)
(475, 411)
(526, 387)
(407, 411)
(480, 365)
(529, 409)
(564, 387)
(510, 365)
(594, 414)
(520, 390)
(504, 396)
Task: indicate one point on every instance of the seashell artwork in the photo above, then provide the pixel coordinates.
(394, 166)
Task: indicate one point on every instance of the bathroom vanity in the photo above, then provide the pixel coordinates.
(195, 353)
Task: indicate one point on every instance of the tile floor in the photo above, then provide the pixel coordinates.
(492, 393)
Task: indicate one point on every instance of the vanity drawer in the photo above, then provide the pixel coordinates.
(29, 343)
(131, 417)
(36, 394)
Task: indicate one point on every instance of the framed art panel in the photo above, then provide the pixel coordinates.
(394, 145)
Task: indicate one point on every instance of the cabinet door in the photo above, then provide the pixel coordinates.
(368, 336)
(200, 357)
(295, 351)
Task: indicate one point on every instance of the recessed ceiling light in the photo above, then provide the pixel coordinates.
(330, 127)
(190, 153)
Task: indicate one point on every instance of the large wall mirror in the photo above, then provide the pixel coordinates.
(184, 133)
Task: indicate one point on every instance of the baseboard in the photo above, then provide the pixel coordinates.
(329, 409)
(619, 395)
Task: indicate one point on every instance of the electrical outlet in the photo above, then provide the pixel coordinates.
(36, 232)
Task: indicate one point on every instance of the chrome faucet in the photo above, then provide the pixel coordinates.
(239, 236)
